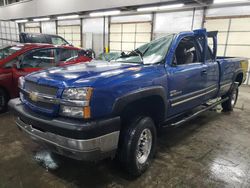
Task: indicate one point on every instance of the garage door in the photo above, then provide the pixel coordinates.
(8, 33)
(233, 37)
(32, 28)
(72, 33)
(128, 36)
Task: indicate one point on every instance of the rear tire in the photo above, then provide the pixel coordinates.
(138, 145)
(229, 104)
(3, 101)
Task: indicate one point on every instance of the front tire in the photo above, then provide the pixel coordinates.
(229, 104)
(138, 145)
(3, 101)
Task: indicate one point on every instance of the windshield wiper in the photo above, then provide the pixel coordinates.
(135, 52)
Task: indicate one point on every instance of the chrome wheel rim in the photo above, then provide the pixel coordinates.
(233, 97)
(144, 146)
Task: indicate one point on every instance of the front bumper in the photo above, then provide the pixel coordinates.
(89, 141)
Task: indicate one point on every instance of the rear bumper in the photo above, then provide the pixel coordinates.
(89, 141)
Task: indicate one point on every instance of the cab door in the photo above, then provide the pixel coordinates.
(186, 77)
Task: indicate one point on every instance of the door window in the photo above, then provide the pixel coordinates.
(187, 52)
(66, 55)
(38, 59)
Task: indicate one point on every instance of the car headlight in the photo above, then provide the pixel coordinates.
(77, 93)
(72, 95)
(21, 82)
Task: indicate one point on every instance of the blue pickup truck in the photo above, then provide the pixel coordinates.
(115, 109)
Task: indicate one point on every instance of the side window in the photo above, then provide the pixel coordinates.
(10, 64)
(67, 55)
(187, 52)
(36, 39)
(58, 41)
(38, 59)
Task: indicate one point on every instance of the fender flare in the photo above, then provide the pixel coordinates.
(121, 102)
(237, 72)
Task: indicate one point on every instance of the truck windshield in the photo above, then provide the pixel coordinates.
(150, 53)
(7, 51)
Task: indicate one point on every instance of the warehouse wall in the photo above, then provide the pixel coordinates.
(93, 33)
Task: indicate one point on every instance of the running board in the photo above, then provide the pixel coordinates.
(166, 124)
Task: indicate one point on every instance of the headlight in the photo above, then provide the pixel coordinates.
(72, 95)
(21, 82)
(75, 112)
(77, 93)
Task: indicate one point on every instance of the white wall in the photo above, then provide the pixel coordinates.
(48, 27)
(93, 29)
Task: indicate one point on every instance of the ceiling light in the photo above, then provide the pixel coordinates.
(228, 1)
(40, 19)
(147, 9)
(156, 8)
(68, 17)
(106, 13)
(170, 6)
(21, 21)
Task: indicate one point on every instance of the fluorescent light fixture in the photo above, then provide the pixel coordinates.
(105, 13)
(68, 17)
(21, 21)
(163, 7)
(228, 1)
(170, 6)
(147, 9)
(40, 19)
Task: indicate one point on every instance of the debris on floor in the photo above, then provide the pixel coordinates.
(46, 159)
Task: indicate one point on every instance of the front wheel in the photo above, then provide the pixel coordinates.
(3, 101)
(229, 104)
(138, 145)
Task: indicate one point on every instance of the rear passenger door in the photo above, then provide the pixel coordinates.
(186, 77)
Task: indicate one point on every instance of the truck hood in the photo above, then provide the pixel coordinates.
(82, 74)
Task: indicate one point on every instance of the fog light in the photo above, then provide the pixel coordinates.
(70, 111)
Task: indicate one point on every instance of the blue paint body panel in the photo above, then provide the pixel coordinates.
(113, 80)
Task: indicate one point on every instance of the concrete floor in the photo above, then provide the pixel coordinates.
(210, 151)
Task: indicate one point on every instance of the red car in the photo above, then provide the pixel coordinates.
(22, 59)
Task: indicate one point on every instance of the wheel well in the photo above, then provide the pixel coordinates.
(152, 106)
(239, 78)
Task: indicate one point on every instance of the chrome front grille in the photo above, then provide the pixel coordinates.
(39, 104)
(37, 89)
(34, 87)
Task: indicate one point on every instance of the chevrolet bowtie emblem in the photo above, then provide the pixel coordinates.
(33, 96)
